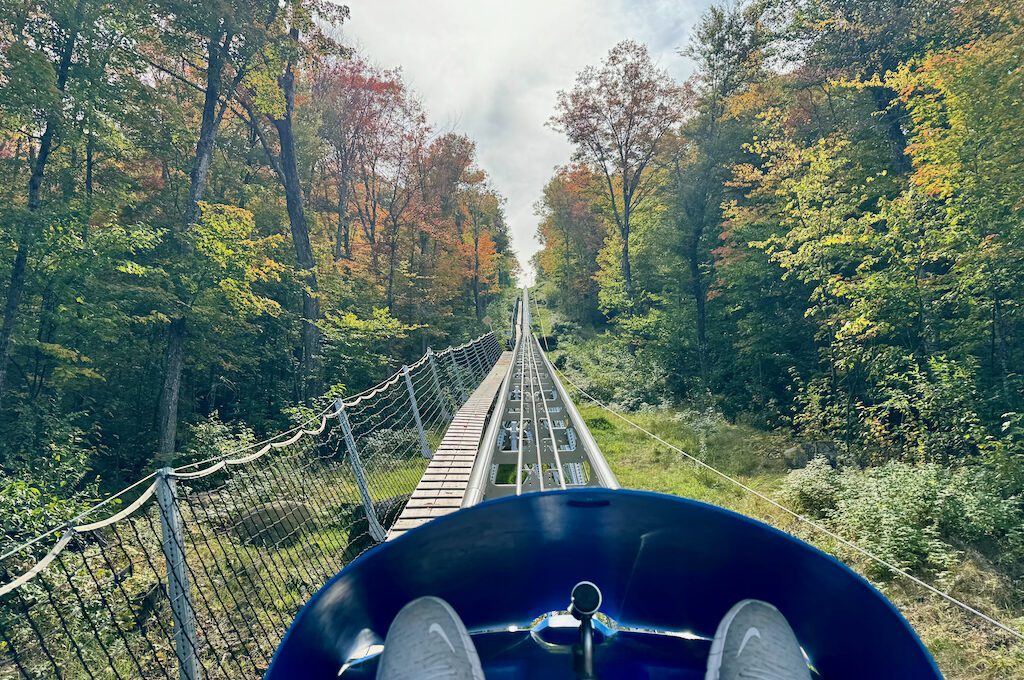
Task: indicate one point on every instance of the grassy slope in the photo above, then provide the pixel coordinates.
(965, 647)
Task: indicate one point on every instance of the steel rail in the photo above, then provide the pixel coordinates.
(536, 387)
(547, 416)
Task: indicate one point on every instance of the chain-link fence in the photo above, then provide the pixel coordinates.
(196, 572)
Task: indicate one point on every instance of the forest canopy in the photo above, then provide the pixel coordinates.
(825, 234)
(804, 266)
(211, 213)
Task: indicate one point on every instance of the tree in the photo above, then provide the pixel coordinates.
(617, 116)
(230, 34)
(187, 181)
(346, 94)
(862, 41)
(485, 209)
(301, 37)
(380, 130)
(571, 233)
(727, 48)
(59, 56)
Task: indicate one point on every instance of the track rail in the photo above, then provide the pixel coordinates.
(536, 439)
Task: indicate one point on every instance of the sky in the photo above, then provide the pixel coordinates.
(492, 69)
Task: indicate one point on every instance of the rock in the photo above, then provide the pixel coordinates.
(280, 522)
(804, 452)
(359, 538)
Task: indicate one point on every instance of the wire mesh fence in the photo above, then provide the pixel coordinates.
(196, 572)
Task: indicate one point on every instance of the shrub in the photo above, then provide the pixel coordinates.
(213, 438)
(46, 474)
(813, 490)
(606, 369)
(893, 511)
(917, 517)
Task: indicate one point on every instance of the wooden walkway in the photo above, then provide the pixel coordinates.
(444, 483)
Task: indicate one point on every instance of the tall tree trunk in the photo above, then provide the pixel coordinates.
(392, 262)
(45, 335)
(199, 176)
(700, 304)
(90, 165)
(16, 286)
(90, 151)
(342, 246)
(167, 422)
(627, 268)
(699, 221)
(15, 290)
(892, 113)
(167, 414)
(477, 307)
(290, 180)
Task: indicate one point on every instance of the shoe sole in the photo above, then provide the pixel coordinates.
(469, 666)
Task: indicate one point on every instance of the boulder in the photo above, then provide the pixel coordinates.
(279, 522)
(359, 538)
(804, 452)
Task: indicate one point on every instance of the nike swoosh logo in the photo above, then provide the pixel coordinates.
(751, 633)
(436, 628)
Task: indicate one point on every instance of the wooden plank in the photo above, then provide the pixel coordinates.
(405, 524)
(415, 513)
(443, 485)
(434, 503)
(450, 465)
(438, 493)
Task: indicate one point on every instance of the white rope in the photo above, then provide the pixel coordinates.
(185, 472)
(374, 391)
(38, 566)
(117, 517)
(828, 532)
(260, 443)
(138, 503)
(77, 518)
(220, 465)
(65, 538)
(206, 472)
(462, 346)
(353, 400)
(422, 360)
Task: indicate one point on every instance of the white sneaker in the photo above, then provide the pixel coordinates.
(754, 642)
(428, 641)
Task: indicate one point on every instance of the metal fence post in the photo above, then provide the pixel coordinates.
(178, 590)
(463, 395)
(479, 361)
(437, 385)
(376, 530)
(489, 349)
(493, 350)
(470, 361)
(424, 444)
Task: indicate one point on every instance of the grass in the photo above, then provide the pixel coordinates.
(541, 316)
(965, 647)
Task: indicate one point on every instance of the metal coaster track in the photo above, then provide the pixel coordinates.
(536, 439)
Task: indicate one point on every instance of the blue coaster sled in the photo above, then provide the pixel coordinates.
(668, 567)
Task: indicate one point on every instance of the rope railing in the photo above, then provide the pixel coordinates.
(196, 571)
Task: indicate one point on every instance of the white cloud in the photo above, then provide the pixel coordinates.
(491, 70)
